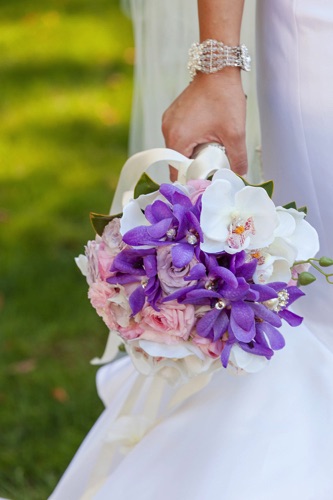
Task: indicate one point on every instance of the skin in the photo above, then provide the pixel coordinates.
(213, 107)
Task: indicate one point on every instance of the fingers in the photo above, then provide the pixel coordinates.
(173, 173)
(208, 111)
(237, 155)
(177, 139)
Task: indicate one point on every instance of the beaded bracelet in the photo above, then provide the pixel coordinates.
(211, 56)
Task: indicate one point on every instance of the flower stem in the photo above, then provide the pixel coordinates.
(312, 261)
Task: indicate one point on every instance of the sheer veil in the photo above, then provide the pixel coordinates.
(164, 31)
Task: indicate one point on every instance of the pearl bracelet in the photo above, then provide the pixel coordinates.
(211, 56)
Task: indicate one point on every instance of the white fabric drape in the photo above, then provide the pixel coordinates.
(266, 435)
(295, 40)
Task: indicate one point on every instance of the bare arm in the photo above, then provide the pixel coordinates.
(213, 107)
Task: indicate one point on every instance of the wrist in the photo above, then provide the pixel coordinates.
(213, 56)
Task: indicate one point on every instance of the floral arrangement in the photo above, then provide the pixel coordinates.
(200, 274)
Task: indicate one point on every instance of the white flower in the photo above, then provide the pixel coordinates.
(82, 263)
(235, 217)
(295, 239)
(243, 361)
(175, 363)
(88, 263)
(297, 232)
(274, 262)
(132, 213)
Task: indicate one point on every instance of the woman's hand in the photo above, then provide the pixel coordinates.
(211, 109)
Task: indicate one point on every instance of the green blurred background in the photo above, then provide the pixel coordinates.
(65, 98)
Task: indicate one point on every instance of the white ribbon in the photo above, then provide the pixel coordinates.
(156, 163)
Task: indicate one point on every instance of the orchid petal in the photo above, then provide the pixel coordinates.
(258, 349)
(197, 273)
(220, 325)
(158, 211)
(206, 323)
(182, 254)
(150, 265)
(132, 217)
(226, 354)
(226, 275)
(254, 202)
(158, 230)
(175, 196)
(294, 293)
(242, 321)
(137, 300)
(137, 236)
(266, 314)
(276, 339)
(290, 317)
(265, 292)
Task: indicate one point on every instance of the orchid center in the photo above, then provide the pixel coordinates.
(210, 285)
(257, 254)
(278, 303)
(239, 230)
(171, 233)
(192, 238)
(220, 304)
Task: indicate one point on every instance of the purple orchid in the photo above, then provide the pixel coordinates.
(132, 265)
(240, 309)
(176, 222)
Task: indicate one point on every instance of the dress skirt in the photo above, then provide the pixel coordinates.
(269, 435)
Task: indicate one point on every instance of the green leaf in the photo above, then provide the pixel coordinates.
(121, 348)
(325, 261)
(145, 185)
(268, 186)
(99, 221)
(306, 278)
(303, 209)
(292, 204)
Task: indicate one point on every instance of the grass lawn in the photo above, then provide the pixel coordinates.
(65, 80)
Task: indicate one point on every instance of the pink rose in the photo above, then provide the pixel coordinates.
(91, 251)
(105, 259)
(209, 348)
(171, 325)
(112, 237)
(196, 188)
(172, 277)
(111, 244)
(132, 331)
(111, 303)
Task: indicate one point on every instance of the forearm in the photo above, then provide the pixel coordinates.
(213, 107)
(220, 20)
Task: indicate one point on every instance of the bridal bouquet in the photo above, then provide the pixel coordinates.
(199, 273)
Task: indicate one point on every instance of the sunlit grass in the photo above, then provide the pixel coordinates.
(65, 102)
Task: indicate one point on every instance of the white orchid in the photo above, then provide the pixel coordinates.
(133, 215)
(297, 232)
(236, 217)
(294, 239)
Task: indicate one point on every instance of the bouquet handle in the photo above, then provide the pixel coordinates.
(208, 159)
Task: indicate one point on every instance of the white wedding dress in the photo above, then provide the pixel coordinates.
(269, 435)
